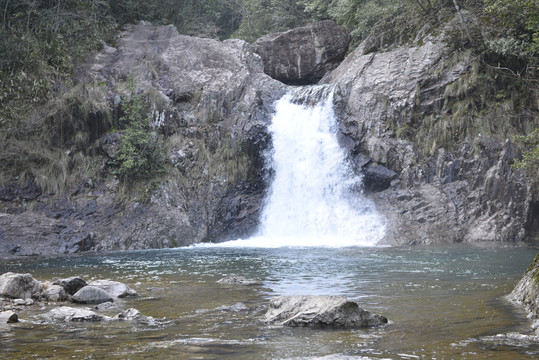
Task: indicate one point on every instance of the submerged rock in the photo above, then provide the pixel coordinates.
(91, 295)
(67, 314)
(134, 315)
(114, 288)
(237, 307)
(238, 280)
(320, 312)
(21, 286)
(8, 317)
(303, 55)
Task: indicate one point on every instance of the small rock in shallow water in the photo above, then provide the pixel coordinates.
(66, 314)
(237, 307)
(19, 302)
(134, 315)
(107, 306)
(8, 317)
(55, 293)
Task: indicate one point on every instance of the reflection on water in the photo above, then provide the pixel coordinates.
(443, 303)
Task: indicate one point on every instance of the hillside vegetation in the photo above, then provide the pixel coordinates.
(49, 121)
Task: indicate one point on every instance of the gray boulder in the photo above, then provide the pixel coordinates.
(91, 295)
(55, 293)
(115, 288)
(21, 286)
(303, 55)
(8, 317)
(67, 314)
(320, 312)
(72, 284)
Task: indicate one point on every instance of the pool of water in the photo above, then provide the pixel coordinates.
(443, 303)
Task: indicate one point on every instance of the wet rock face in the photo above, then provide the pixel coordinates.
(12, 191)
(526, 293)
(303, 55)
(320, 312)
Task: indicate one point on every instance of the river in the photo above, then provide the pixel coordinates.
(443, 302)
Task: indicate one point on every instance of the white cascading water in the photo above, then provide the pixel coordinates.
(314, 199)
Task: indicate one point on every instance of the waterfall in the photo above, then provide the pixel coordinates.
(315, 199)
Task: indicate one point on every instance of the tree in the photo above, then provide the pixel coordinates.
(530, 156)
(518, 36)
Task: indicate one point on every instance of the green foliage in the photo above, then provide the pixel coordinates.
(140, 154)
(40, 42)
(530, 156)
(357, 16)
(260, 17)
(204, 18)
(517, 33)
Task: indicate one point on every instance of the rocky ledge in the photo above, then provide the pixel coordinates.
(526, 293)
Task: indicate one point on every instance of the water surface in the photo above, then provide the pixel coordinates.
(443, 303)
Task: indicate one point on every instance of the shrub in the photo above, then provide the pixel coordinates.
(140, 154)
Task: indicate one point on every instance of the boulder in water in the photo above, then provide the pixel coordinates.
(66, 314)
(21, 286)
(55, 293)
(115, 288)
(8, 317)
(71, 284)
(320, 312)
(91, 295)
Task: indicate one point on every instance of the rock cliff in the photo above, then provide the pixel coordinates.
(466, 193)
(210, 101)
